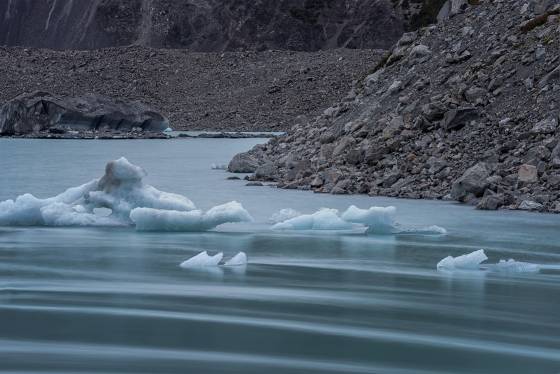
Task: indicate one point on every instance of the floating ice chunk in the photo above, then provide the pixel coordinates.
(324, 219)
(473, 261)
(377, 219)
(218, 167)
(149, 219)
(469, 261)
(121, 191)
(512, 266)
(202, 260)
(230, 212)
(169, 129)
(237, 260)
(284, 215)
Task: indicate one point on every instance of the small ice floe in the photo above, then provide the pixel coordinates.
(469, 261)
(374, 220)
(377, 219)
(169, 129)
(474, 261)
(218, 166)
(512, 266)
(203, 259)
(239, 259)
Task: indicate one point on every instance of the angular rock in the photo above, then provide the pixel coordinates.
(527, 173)
(530, 205)
(546, 126)
(455, 119)
(473, 181)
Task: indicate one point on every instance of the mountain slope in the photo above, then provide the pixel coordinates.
(466, 109)
(201, 25)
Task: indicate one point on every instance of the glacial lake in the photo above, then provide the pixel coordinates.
(114, 300)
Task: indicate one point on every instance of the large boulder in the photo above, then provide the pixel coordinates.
(472, 183)
(243, 163)
(41, 111)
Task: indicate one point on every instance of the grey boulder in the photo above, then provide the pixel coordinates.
(473, 181)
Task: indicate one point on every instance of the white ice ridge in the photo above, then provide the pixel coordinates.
(378, 220)
(203, 259)
(474, 261)
(324, 219)
(122, 193)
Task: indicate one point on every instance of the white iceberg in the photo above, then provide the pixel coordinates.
(324, 219)
(149, 219)
(284, 215)
(474, 261)
(239, 259)
(120, 192)
(469, 261)
(377, 219)
(202, 260)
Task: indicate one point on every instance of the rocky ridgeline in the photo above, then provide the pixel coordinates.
(466, 109)
(211, 25)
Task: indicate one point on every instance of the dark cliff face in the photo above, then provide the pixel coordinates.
(201, 25)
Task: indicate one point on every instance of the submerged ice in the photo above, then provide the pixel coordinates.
(125, 198)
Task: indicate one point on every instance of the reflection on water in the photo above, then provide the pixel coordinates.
(100, 300)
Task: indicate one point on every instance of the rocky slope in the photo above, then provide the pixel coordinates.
(466, 109)
(207, 25)
(197, 91)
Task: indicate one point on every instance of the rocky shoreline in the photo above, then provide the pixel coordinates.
(464, 110)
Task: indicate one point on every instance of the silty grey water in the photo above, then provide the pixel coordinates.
(113, 300)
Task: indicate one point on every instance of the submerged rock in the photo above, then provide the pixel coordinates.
(43, 112)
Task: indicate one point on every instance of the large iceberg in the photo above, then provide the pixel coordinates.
(123, 193)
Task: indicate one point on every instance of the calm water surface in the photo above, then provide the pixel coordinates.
(112, 300)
